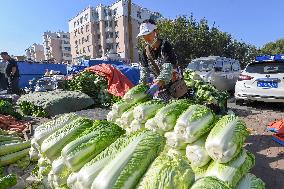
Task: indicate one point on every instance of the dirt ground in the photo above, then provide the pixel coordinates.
(269, 154)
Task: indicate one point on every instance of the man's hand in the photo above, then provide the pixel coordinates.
(153, 89)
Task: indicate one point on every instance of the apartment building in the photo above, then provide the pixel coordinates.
(35, 52)
(96, 31)
(57, 47)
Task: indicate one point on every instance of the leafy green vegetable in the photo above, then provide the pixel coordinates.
(45, 130)
(197, 154)
(175, 141)
(232, 172)
(13, 157)
(60, 172)
(136, 94)
(85, 148)
(168, 172)
(226, 139)
(29, 108)
(194, 122)
(125, 170)
(209, 183)
(85, 177)
(167, 116)
(200, 171)
(6, 108)
(14, 147)
(250, 181)
(93, 85)
(51, 147)
(7, 181)
(147, 110)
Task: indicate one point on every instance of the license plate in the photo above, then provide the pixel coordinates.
(267, 84)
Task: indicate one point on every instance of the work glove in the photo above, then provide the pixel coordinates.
(153, 89)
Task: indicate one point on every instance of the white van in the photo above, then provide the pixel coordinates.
(221, 72)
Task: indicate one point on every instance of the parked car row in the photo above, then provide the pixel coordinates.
(261, 80)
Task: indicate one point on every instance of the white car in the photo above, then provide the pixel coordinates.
(262, 80)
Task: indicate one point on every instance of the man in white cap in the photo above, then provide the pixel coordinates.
(158, 58)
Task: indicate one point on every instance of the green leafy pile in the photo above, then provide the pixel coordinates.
(30, 109)
(6, 108)
(8, 181)
(205, 93)
(93, 85)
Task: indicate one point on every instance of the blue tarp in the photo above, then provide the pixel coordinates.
(133, 74)
(75, 69)
(28, 71)
(27, 68)
(89, 63)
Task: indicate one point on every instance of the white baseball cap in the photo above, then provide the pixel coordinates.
(146, 28)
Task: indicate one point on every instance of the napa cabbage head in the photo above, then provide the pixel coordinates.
(226, 139)
(209, 183)
(168, 172)
(197, 154)
(167, 116)
(232, 172)
(250, 181)
(194, 122)
(136, 94)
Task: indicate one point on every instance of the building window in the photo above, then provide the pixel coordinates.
(76, 42)
(139, 14)
(64, 36)
(115, 23)
(117, 45)
(109, 46)
(109, 35)
(99, 36)
(86, 16)
(87, 27)
(105, 12)
(87, 39)
(89, 49)
(75, 33)
(79, 41)
(108, 23)
(109, 12)
(83, 40)
(84, 50)
(81, 20)
(74, 24)
(82, 28)
(100, 48)
(115, 11)
(116, 34)
(67, 48)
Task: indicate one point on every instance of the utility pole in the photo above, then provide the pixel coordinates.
(130, 31)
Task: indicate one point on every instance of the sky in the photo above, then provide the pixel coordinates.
(255, 22)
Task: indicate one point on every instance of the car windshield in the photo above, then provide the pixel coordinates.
(265, 67)
(201, 65)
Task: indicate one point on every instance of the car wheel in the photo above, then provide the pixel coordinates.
(239, 102)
